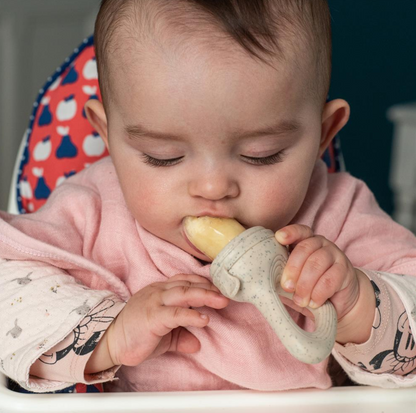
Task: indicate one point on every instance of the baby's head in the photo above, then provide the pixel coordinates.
(214, 107)
(298, 31)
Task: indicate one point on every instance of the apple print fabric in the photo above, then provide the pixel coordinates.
(60, 141)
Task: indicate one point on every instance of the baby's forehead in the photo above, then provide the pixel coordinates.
(176, 30)
(269, 29)
(176, 34)
(156, 27)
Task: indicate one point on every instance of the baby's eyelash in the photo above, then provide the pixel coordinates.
(149, 160)
(267, 160)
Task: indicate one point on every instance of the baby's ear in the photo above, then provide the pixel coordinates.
(334, 117)
(94, 110)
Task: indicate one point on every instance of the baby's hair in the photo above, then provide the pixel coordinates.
(263, 28)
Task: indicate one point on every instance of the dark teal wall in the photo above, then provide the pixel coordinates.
(374, 67)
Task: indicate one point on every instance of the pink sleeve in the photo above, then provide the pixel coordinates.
(391, 347)
(66, 361)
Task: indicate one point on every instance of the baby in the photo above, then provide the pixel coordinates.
(211, 108)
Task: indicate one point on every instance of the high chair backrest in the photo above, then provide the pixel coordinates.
(60, 142)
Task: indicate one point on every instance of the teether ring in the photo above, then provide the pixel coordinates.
(247, 267)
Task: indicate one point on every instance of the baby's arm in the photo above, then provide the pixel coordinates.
(66, 361)
(92, 351)
(152, 322)
(319, 271)
(391, 348)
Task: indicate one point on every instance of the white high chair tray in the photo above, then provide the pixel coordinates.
(360, 399)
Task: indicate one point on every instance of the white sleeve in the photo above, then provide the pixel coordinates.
(39, 306)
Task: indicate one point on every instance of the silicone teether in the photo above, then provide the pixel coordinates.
(247, 267)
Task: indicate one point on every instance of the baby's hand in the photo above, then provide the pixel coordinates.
(152, 321)
(317, 270)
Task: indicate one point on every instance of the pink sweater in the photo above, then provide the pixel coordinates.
(83, 253)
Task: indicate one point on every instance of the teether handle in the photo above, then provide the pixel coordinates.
(308, 347)
(249, 269)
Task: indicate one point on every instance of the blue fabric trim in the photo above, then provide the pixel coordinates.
(12, 385)
(89, 41)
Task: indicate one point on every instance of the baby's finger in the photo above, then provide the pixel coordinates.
(184, 341)
(188, 296)
(329, 284)
(169, 318)
(179, 339)
(293, 234)
(297, 260)
(315, 266)
(187, 284)
(302, 310)
(193, 278)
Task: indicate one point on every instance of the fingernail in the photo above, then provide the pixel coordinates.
(289, 285)
(282, 234)
(204, 316)
(312, 304)
(298, 300)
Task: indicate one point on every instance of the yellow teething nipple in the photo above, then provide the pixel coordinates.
(210, 235)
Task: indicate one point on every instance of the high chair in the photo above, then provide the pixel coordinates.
(60, 142)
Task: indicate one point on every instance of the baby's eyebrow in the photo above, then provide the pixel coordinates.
(140, 131)
(281, 128)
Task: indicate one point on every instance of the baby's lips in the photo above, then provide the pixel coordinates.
(185, 235)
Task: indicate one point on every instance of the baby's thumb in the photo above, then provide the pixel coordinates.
(183, 341)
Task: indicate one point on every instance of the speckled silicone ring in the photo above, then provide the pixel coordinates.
(248, 270)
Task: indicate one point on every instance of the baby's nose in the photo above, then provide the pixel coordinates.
(213, 186)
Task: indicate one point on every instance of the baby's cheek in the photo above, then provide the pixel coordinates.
(276, 211)
(143, 206)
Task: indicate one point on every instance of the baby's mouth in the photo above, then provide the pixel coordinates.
(192, 245)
